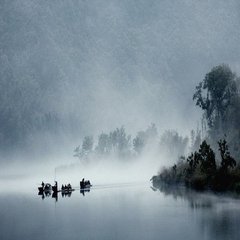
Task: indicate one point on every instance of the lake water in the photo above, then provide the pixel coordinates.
(120, 211)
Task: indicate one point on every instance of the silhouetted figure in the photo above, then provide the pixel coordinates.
(55, 187)
(82, 183)
(43, 185)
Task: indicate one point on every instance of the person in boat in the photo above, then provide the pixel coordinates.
(62, 187)
(88, 183)
(43, 184)
(69, 186)
(82, 183)
(55, 187)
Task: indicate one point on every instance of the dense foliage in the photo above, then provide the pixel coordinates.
(218, 95)
(201, 170)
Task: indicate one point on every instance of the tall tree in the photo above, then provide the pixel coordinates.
(215, 94)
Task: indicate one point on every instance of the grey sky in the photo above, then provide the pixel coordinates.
(109, 63)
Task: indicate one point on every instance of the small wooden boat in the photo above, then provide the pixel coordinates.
(85, 185)
(67, 190)
(47, 188)
(55, 189)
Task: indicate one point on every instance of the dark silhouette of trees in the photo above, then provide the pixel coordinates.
(215, 94)
(227, 161)
(201, 171)
(207, 159)
(218, 95)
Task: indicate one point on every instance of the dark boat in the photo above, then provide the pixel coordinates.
(55, 188)
(46, 188)
(85, 185)
(40, 189)
(67, 188)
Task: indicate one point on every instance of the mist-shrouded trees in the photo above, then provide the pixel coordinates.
(22, 111)
(215, 94)
(195, 137)
(143, 138)
(139, 142)
(218, 95)
(118, 143)
(86, 149)
(173, 144)
(104, 145)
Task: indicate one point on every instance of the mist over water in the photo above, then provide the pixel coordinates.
(77, 68)
(129, 212)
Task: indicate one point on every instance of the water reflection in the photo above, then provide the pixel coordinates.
(46, 194)
(53, 194)
(195, 199)
(219, 213)
(129, 212)
(83, 191)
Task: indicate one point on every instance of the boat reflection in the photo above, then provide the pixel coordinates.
(83, 191)
(64, 194)
(46, 194)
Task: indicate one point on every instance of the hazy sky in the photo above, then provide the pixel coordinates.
(110, 63)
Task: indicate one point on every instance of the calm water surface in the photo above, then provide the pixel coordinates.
(132, 211)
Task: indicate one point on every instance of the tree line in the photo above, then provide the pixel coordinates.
(120, 144)
(202, 170)
(218, 95)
